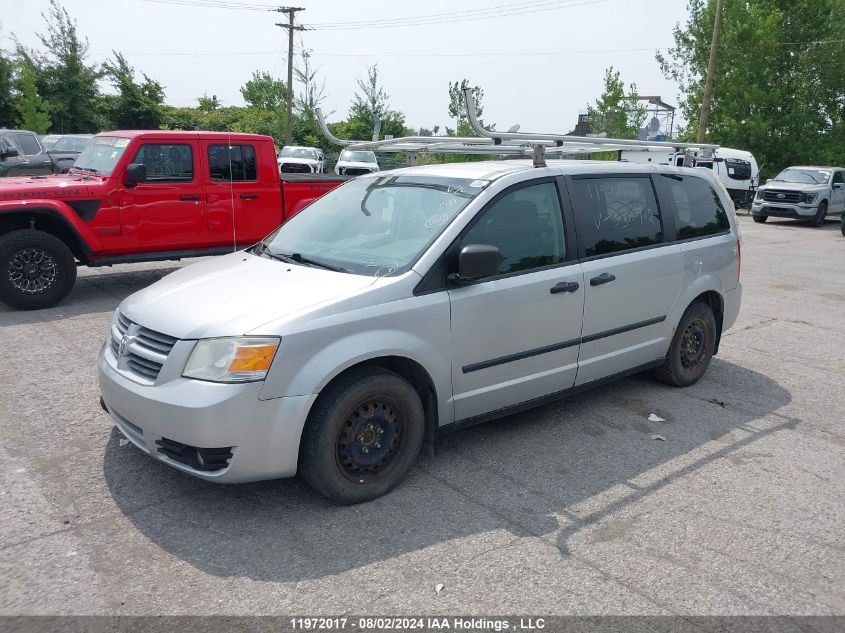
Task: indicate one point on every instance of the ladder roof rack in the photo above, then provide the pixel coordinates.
(526, 144)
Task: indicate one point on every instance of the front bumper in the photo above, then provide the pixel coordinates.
(263, 435)
(784, 210)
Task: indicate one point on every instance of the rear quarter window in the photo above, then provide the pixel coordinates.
(697, 207)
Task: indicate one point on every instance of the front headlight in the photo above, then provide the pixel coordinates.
(236, 359)
(809, 197)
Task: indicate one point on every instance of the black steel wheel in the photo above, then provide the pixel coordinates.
(37, 270)
(362, 436)
(760, 218)
(692, 347)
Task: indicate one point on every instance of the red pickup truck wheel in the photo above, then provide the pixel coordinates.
(37, 270)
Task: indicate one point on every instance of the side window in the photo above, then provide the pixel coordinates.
(29, 143)
(697, 207)
(166, 162)
(839, 177)
(527, 226)
(234, 163)
(738, 169)
(615, 214)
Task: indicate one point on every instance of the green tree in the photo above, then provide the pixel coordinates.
(137, 105)
(8, 112)
(313, 90)
(208, 104)
(33, 111)
(780, 71)
(615, 112)
(264, 92)
(373, 101)
(63, 77)
(457, 107)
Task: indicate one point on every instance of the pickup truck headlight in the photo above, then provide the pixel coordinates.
(237, 359)
(758, 195)
(809, 197)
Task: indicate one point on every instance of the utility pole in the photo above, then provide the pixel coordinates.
(291, 11)
(704, 119)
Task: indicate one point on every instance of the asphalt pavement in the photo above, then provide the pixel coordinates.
(573, 508)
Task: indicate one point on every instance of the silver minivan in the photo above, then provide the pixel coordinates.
(411, 301)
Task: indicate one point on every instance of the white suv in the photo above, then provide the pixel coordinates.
(807, 193)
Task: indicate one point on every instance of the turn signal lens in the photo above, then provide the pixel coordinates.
(253, 358)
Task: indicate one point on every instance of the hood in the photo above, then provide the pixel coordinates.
(357, 164)
(58, 186)
(298, 161)
(234, 294)
(793, 186)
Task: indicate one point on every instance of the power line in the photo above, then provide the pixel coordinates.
(216, 4)
(448, 14)
(482, 14)
(219, 53)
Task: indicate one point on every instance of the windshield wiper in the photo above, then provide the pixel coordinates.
(296, 258)
(300, 259)
(806, 173)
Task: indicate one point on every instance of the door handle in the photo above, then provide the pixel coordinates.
(604, 278)
(564, 286)
(249, 196)
(190, 198)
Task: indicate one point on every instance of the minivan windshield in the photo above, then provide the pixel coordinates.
(100, 156)
(298, 152)
(808, 176)
(372, 226)
(357, 157)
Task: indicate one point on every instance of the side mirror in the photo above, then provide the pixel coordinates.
(10, 153)
(136, 173)
(477, 261)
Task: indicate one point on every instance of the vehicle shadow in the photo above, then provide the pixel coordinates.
(99, 291)
(548, 473)
(830, 224)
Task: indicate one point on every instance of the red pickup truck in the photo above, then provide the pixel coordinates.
(143, 196)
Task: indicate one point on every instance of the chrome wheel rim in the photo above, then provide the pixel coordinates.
(32, 271)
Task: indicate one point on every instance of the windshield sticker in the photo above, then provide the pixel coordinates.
(121, 142)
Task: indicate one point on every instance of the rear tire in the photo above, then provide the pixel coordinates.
(37, 270)
(692, 347)
(842, 222)
(760, 218)
(821, 214)
(362, 436)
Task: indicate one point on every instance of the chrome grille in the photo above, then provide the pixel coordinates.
(788, 197)
(145, 350)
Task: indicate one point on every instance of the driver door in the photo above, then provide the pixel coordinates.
(515, 336)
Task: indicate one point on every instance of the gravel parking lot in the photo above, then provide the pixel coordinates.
(572, 508)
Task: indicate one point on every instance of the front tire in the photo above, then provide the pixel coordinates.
(842, 222)
(362, 436)
(760, 218)
(821, 214)
(692, 347)
(37, 270)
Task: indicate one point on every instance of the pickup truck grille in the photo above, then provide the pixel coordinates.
(788, 197)
(295, 168)
(144, 350)
(355, 171)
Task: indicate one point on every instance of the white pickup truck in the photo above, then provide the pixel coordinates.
(804, 193)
